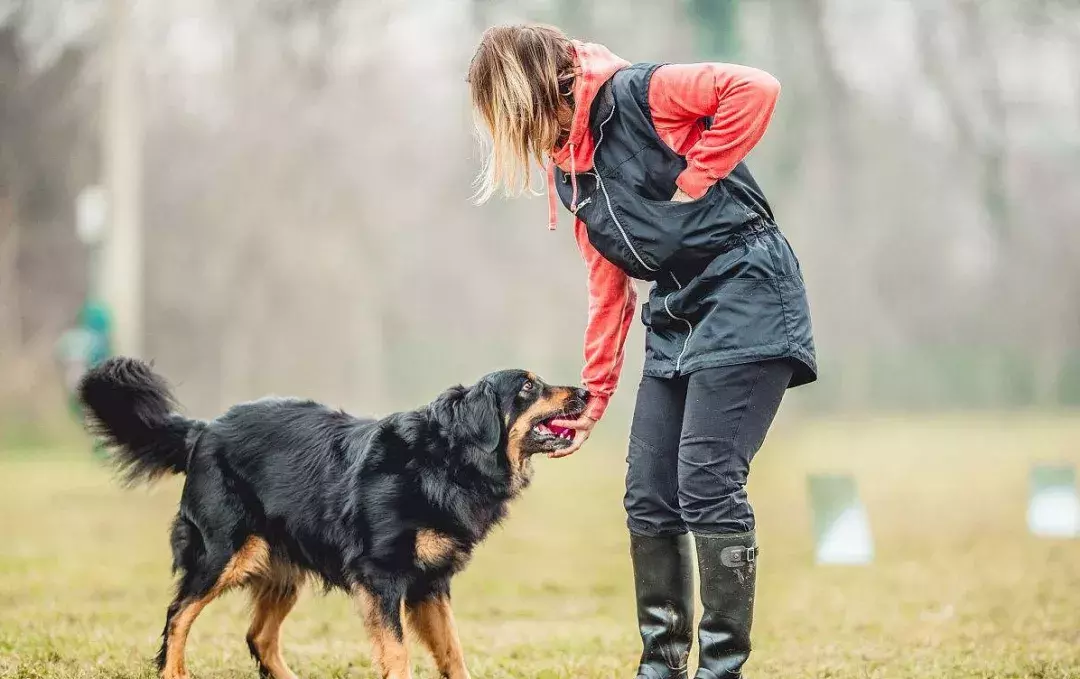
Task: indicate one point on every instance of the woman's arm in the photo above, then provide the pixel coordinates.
(612, 301)
(740, 101)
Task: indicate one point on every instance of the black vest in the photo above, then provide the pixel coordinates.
(624, 199)
(728, 287)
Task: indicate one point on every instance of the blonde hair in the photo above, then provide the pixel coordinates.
(519, 81)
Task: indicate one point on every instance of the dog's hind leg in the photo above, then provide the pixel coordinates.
(204, 580)
(382, 611)
(433, 621)
(273, 600)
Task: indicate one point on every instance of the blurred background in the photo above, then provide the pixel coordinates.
(273, 196)
(299, 175)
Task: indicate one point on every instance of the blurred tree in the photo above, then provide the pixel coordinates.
(45, 149)
(967, 80)
(307, 179)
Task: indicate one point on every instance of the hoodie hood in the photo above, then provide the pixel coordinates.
(594, 65)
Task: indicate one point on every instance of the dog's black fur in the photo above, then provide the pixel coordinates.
(278, 489)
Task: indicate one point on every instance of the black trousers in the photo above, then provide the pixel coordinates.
(691, 443)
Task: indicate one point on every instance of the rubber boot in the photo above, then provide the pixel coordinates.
(727, 566)
(664, 583)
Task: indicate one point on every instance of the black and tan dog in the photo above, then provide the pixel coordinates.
(280, 490)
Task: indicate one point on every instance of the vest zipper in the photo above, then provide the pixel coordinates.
(633, 250)
(607, 198)
(689, 325)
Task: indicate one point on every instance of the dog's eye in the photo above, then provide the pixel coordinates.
(527, 387)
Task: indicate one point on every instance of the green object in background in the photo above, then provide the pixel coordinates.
(87, 344)
(95, 318)
(83, 347)
(841, 526)
(716, 24)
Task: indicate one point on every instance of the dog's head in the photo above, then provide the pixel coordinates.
(511, 411)
(527, 405)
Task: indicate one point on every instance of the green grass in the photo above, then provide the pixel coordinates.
(958, 590)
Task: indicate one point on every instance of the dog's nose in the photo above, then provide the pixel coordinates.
(582, 394)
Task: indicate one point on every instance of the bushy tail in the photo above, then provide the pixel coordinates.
(131, 409)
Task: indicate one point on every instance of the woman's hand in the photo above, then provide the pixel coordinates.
(582, 427)
(681, 197)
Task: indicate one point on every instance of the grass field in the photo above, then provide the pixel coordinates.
(958, 589)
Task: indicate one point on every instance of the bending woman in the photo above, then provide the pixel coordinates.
(648, 159)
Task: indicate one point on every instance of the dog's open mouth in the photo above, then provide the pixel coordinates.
(547, 428)
(550, 433)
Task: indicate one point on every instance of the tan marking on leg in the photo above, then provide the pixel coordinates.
(434, 548)
(252, 558)
(273, 601)
(179, 627)
(433, 622)
(389, 652)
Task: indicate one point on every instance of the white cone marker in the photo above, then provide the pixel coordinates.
(1053, 505)
(841, 526)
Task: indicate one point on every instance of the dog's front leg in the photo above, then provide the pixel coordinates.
(433, 621)
(382, 611)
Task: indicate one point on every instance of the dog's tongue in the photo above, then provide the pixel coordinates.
(560, 431)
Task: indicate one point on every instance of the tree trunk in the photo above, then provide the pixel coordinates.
(10, 311)
(840, 161)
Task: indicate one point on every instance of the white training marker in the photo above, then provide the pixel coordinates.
(841, 526)
(1054, 505)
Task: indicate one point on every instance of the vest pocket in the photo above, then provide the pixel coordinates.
(649, 240)
(679, 207)
(671, 231)
(743, 315)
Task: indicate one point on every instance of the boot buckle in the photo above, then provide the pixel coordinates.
(738, 556)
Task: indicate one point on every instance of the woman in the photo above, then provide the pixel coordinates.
(649, 159)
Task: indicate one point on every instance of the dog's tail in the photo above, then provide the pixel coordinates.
(131, 410)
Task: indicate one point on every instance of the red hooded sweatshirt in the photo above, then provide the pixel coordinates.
(740, 101)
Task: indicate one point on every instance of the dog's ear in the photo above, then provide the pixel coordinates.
(478, 418)
(471, 416)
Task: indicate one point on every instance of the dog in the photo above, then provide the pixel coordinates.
(281, 490)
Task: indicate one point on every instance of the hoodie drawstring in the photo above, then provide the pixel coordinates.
(573, 180)
(553, 217)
